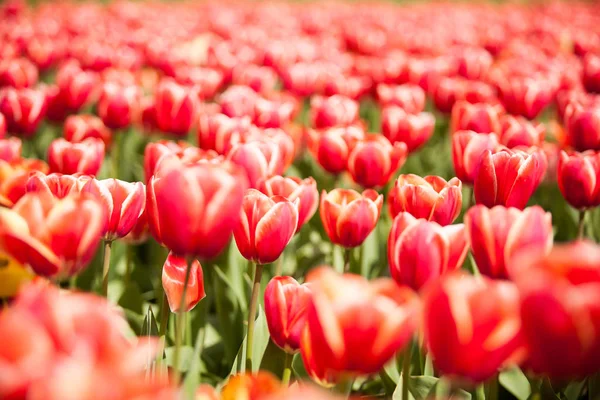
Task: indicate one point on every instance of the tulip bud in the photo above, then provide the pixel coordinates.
(175, 107)
(118, 105)
(508, 177)
(420, 251)
(333, 345)
(173, 279)
(179, 198)
(526, 96)
(497, 234)
(77, 128)
(479, 117)
(518, 131)
(54, 237)
(582, 125)
(413, 129)
(431, 198)
(23, 110)
(10, 149)
(348, 216)
(560, 304)
(261, 159)
(57, 185)
(327, 112)
(18, 73)
(467, 149)
(578, 179)
(591, 72)
(85, 157)
(373, 160)
(293, 188)
(14, 176)
(266, 226)
(332, 147)
(472, 326)
(285, 309)
(238, 101)
(124, 203)
(409, 97)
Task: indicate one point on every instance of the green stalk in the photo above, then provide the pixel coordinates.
(492, 389)
(287, 369)
(106, 267)
(347, 254)
(406, 372)
(252, 315)
(581, 226)
(180, 323)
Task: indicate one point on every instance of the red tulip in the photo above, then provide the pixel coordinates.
(348, 216)
(326, 112)
(219, 132)
(281, 138)
(274, 113)
(77, 87)
(173, 279)
(467, 150)
(373, 160)
(154, 151)
(54, 237)
(286, 302)
(23, 110)
(431, 198)
(10, 149)
(472, 326)
(409, 97)
(333, 345)
(479, 117)
(525, 96)
(473, 62)
(578, 179)
(18, 73)
(259, 78)
(261, 159)
(413, 129)
(449, 90)
(497, 234)
(238, 101)
(591, 72)
(293, 188)
(266, 226)
(560, 309)
(46, 51)
(57, 185)
(140, 232)
(119, 105)
(124, 203)
(350, 86)
(85, 157)
(192, 209)
(332, 147)
(582, 125)
(14, 176)
(518, 131)
(508, 177)
(2, 126)
(175, 107)
(77, 128)
(420, 251)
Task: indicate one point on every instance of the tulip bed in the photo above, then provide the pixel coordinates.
(299, 201)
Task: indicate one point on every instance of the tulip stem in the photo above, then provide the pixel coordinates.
(492, 389)
(279, 264)
(252, 314)
(180, 322)
(347, 254)
(114, 154)
(406, 372)
(106, 267)
(162, 333)
(287, 369)
(581, 226)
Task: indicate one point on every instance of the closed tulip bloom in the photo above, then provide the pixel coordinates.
(337, 110)
(582, 125)
(591, 72)
(119, 105)
(519, 131)
(472, 326)
(373, 160)
(192, 209)
(432, 198)
(85, 157)
(154, 151)
(77, 128)
(10, 149)
(18, 73)
(579, 178)
(560, 310)
(292, 188)
(413, 129)
(332, 147)
(266, 226)
(333, 345)
(508, 177)
(261, 159)
(124, 203)
(479, 117)
(348, 216)
(175, 107)
(173, 279)
(77, 87)
(467, 149)
(286, 302)
(409, 97)
(421, 251)
(14, 176)
(58, 185)
(23, 110)
(525, 96)
(56, 238)
(496, 235)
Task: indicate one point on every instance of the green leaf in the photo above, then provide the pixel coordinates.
(369, 254)
(547, 392)
(186, 355)
(261, 340)
(594, 386)
(298, 367)
(574, 390)
(515, 381)
(229, 314)
(132, 299)
(424, 387)
(192, 379)
(391, 369)
(149, 327)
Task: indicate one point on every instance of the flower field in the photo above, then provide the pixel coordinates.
(299, 200)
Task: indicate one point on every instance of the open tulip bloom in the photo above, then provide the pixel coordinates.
(161, 166)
